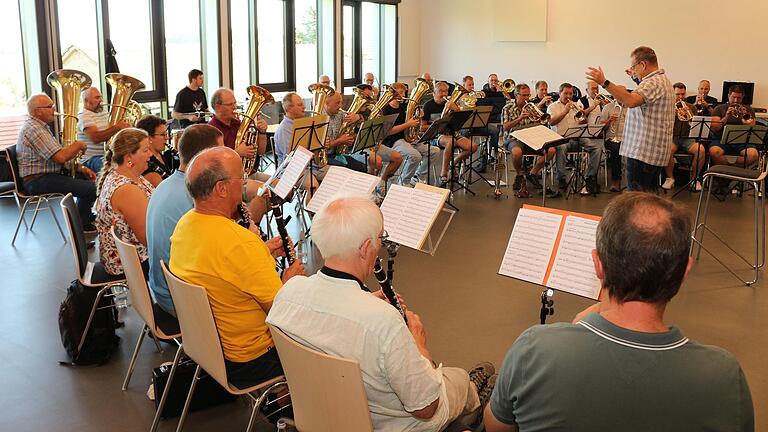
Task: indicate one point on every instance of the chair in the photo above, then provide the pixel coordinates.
(312, 378)
(13, 164)
(90, 274)
(202, 344)
(741, 175)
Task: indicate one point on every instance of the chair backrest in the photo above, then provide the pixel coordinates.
(138, 290)
(76, 234)
(13, 164)
(198, 328)
(327, 392)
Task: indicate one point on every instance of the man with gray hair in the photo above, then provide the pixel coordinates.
(94, 129)
(232, 263)
(328, 310)
(224, 119)
(619, 366)
(324, 79)
(650, 118)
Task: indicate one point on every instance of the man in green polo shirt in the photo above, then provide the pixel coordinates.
(619, 366)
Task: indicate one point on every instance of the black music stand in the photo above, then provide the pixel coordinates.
(578, 132)
(367, 137)
(744, 134)
(477, 121)
(310, 133)
(699, 130)
(438, 127)
(457, 121)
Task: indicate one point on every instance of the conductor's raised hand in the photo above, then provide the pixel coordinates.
(595, 75)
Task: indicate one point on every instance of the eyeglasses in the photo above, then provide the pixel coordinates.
(633, 66)
(384, 236)
(46, 106)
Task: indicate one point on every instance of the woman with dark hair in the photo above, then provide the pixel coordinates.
(123, 196)
(160, 164)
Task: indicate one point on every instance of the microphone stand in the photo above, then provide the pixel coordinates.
(547, 304)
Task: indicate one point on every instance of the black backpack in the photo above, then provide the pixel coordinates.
(101, 341)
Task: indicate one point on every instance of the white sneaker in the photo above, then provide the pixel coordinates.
(584, 191)
(669, 183)
(698, 186)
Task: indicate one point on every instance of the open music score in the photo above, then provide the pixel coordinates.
(339, 180)
(293, 172)
(553, 248)
(536, 137)
(410, 213)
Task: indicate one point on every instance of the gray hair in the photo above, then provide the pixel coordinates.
(288, 100)
(32, 102)
(201, 185)
(216, 96)
(644, 53)
(441, 84)
(343, 224)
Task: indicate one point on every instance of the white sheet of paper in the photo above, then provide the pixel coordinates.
(535, 137)
(573, 270)
(339, 180)
(409, 214)
(530, 245)
(293, 171)
(700, 126)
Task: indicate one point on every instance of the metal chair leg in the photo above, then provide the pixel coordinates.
(164, 397)
(144, 330)
(37, 209)
(157, 343)
(56, 219)
(93, 312)
(188, 402)
(22, 212)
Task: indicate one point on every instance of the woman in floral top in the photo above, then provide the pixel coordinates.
(123, 195)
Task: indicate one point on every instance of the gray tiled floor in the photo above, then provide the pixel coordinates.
(470, 312)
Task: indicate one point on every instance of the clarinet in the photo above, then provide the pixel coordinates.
(245, 217)
(386, 288)
(277, 212)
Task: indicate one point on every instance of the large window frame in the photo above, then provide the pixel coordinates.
(382, 71)
(357, 49)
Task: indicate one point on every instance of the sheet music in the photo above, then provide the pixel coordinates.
(339, 180)
(293, 172)
(573, 270)
(410, 213)
(536, 137)
(700, 127)
(530, 245)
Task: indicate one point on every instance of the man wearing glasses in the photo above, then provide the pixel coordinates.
(234, 265)
(650, 119)
(224, 119)
(41, 158)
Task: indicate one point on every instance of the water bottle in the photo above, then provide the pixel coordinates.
(120, 296)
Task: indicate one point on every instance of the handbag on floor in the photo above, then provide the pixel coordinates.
(207, 393)
(101, 340)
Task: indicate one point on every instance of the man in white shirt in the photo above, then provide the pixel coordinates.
(333, 312)
(566, 114)
(94, 129)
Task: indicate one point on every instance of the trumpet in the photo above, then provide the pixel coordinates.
(579, 113)
(684, 112)
(700, 104)
(536, 114)
(740, 112)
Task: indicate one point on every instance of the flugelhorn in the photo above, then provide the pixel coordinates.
(683, 111)
(68, 84)
(535, 113)
(247, 134)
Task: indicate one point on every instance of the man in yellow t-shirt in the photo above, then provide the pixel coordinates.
(232, 263)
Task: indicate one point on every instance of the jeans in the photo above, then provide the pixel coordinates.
(82, 189)
(642, 177)
(250, 373)
(594, 149)
(95, 163)
(415, 157)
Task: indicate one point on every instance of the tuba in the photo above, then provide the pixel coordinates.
(684, 112)
(320, 93)
(360, 103)
(414, 109)
(247, 134)
(124, 87)
(458, 92)
(535, 114)
(68, 84)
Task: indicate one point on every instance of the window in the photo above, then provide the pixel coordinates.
(370, 35)
(272, 48)
(78, 41)
(326, 43)
(370, 39)
(129, 24)
(13, 92)
(306, 45)
(182, 43)
(239, 24)
(349, 47)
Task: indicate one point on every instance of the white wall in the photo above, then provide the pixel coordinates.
(453, 38)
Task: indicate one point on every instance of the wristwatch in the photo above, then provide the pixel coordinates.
(605, 84)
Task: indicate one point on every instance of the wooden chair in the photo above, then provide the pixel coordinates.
(327, 392)
(202, 345)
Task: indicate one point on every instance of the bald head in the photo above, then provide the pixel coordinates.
(40, 106)
(333, 103)
(210, 173)
(324, 79)
(426, 76)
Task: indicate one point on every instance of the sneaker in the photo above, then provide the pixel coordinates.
(698, 186)
(584, 190)
(89, 228)
(414, 180)
(480, 374)
(668, 184)
(518, 181)
(534, 180)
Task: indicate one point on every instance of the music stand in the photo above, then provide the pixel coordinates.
(456, 123)
(578, 132)
(478, 120)
(438, 127)
(698, 129)
(744, 134)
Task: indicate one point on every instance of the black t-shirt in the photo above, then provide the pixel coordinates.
(720, 110)
(389, 141)
(432, 110)
(495, 99)
(190, 101)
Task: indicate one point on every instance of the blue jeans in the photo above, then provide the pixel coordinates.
(593, 147)
(95, 163)
(82, 189)
(415, 157)
(642, 177)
